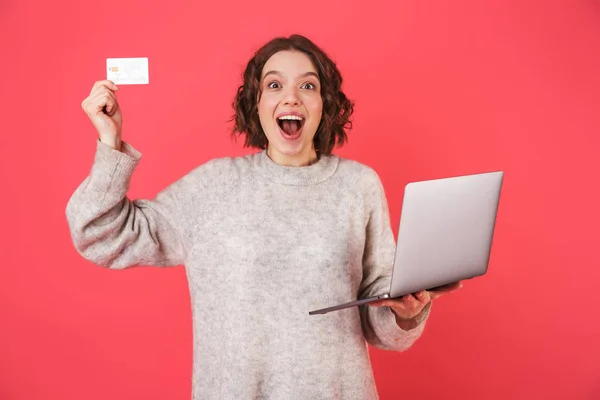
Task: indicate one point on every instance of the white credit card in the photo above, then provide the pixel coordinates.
(127, 71)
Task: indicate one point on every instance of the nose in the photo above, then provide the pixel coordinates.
(290, 97)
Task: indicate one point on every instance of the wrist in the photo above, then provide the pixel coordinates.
(408, 324)
(113, 143)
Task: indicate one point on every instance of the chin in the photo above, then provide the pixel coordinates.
(290, 151)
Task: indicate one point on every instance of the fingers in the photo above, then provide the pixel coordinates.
(382, 303)
(408, 306)
(442, 290)
(109, 100)
(107, 83)
(448, 287)
(435, 295)
(103, 110)
(100, 87)
(423, 296)
(420, 298)
(416, 301)
(101, 102)
(101, 99)
(409, 301)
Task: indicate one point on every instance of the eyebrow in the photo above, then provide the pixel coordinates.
(278, 73)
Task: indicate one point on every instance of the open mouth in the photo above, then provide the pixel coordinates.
(291, 125)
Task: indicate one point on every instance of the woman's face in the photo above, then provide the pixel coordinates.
(290, 107)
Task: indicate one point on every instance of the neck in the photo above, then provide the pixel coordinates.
(320, 170)
(298, 160)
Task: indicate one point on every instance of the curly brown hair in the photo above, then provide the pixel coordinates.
(337, 108)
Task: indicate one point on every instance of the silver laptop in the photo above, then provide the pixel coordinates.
(444, 236)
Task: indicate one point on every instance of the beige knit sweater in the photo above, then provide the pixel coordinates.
(262, 245)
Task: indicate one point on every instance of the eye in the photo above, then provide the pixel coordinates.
(309, 86)
(273, 85)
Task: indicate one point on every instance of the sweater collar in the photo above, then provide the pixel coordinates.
(324, 168)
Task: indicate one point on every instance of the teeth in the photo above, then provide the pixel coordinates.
(291, 117)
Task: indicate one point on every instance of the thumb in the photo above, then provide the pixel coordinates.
(109, 109)
(434, 295)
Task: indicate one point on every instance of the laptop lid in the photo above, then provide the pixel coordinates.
(445, 231)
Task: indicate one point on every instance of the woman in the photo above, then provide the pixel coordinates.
(264, 238)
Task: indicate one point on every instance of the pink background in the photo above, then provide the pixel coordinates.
(441, 88)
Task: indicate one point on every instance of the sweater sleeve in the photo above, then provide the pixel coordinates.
(111, 230)
(379, 323)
